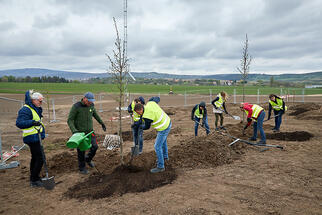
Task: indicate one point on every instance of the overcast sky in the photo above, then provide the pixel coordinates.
(168, 36)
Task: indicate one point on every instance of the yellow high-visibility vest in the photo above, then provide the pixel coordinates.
(135, 116)
(256, 110)
(278, 105)
(219, 102)
(33, 129)
(198, 114)
(160, 120)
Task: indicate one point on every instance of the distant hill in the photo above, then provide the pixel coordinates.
(313, 77)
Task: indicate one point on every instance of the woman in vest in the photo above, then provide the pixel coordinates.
(198, 113)
(29, 120)
(219, 108)
(136, 131)
(257, 114)
(154, 116)
(278, 105)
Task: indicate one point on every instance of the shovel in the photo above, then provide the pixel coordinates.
(234, 117)
(49, 183)
(135, 149)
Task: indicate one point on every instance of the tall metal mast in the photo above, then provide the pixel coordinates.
(125, 39)
(125, 28)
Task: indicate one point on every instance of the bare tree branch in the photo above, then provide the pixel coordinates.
(244, 67)
(118, 69)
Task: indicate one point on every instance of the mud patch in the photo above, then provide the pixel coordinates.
(290, 136)
(124, 179)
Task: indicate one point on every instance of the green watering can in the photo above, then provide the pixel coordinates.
(80, 140)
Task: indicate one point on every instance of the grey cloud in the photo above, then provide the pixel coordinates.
(50, 21)
(178, 36)
(7, 26)
(85, 7)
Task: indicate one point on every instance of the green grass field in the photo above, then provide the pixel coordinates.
(75, 88)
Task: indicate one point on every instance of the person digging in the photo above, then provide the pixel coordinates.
(219, 109)
(80, 119)
(278, 105)
(198, 113)
(257, 114)
(154, 116)
(136, 131)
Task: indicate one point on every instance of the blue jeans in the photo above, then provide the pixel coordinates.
(138, 137)
(278, 119)
(161, 147)
(259, 125)
(205, 122)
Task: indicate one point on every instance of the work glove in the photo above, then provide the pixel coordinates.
(202, 124)
(226, 112)
(36, 123)
(103, 127)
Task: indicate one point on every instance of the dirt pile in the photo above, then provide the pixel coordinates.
(298, 110)
(290, 136)
(124, 179)
(63, 163)
(117, 180)
(204, 152)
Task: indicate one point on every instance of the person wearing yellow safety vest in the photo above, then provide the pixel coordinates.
(154, 116)
(136, 131)
(257, 114)
(219, 108)
(278, 105)
(29, 120)
(198, 113)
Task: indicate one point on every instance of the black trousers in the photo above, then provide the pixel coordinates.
(36, 161)
(90, 155)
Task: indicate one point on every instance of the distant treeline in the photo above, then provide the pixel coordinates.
(42, 79)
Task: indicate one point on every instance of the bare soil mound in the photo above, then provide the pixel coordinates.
(291, 136)
(204, 152)
(196, 153)
(63, 163)
(302, 108)
(123, 179)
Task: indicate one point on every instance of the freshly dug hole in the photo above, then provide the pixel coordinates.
(290, 136)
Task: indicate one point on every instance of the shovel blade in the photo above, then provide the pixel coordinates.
(49, 183)
(135, 150)
(236, 117)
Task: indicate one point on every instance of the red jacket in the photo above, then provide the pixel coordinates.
(248, 107)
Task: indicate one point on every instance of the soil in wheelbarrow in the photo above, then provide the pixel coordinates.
(203, 152)
(290, 136)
